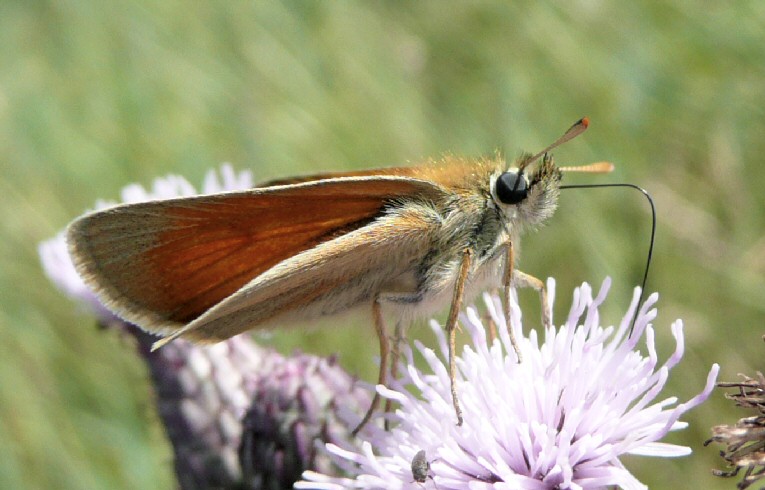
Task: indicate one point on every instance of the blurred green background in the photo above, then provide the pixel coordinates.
(96, 95)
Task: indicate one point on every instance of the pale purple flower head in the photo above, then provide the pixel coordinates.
(582, 397)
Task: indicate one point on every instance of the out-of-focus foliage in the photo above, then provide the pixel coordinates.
(95, 95)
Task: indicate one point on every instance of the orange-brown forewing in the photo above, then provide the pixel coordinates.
(333, 277)
(162, 264)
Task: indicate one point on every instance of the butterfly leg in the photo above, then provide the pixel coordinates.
(384, 354)
(395, 353)
(523, 280)
(507, 283)
(451, 326)
(491, 325)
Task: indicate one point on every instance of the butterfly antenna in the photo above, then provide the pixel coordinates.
(575, 130)
(593, 168)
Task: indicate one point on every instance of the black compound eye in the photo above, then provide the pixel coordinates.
(511, 187)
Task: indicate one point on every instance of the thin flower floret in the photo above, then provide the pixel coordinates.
(583, 396)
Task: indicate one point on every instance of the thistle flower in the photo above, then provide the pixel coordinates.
(745, 441)
(238, 415)
(582, 397)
